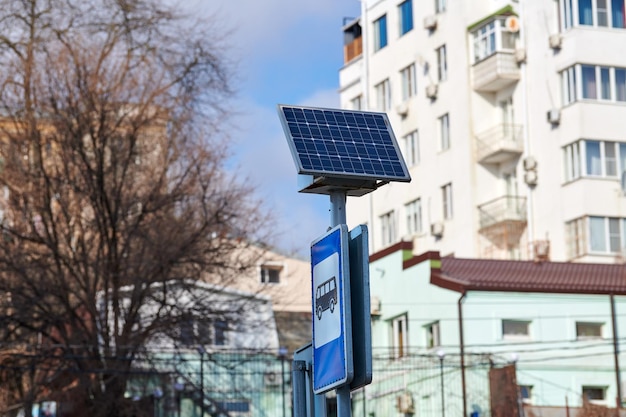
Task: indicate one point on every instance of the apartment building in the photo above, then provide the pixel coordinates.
(510, 116)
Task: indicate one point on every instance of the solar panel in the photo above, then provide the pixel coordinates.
(343, 143)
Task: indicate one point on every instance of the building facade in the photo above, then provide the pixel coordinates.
(443, 325)
(509, 117)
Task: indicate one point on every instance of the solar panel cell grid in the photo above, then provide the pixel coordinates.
(343, 143)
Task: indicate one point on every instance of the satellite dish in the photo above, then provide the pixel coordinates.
(512, 24)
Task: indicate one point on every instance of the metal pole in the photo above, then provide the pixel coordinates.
(298, 383)
(443, 400)
(463, 387)
(616, 354)
(202, 383)
(337, 217)
(282, 382)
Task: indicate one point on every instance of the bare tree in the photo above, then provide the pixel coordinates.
(111, 189)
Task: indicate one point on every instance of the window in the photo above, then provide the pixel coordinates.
(412, 148)
(515, 329)
(414, 217)
(380, 33)
(492, 37)
(357, 103)
(194, 331)
(440, 6)
(270, 274)
(388, 228)
(383, 96)
(606, 234)
(442, 63)
(400, 336)
(406, 16)
(593, 394)
(599, 235)
(525, 392)
(444, 132)
(576, 238)
(446, 192)
(596, 83)
(588, 330)
(600, 13)
(433, 337)
(593, 158)
(409, 84)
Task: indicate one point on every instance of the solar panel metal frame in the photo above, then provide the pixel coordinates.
(361, 131)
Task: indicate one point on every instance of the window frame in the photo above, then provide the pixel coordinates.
(383, 95)
(515, 322)
(400, 335)
(487, 39)
(444, 131)
(595, 83)
(388, 228)
(267, 271)
(405, 23)
(590, 325)
(440, 6)
(581, 160)
(433, 334)
(380, 33)
(412, 148)
(408, 75)
(447, 200)
(414, 211)
(442, 63)
(599, 401)
(571, 14)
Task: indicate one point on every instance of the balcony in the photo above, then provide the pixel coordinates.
(352, 50)
(503, 218)
(495, 72)
(500, 143)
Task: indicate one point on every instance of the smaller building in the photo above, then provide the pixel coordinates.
(441, 326)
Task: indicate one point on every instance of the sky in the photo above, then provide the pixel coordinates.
(287, 52)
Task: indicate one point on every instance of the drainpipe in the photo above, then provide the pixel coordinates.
(462, 343)
(616, 354)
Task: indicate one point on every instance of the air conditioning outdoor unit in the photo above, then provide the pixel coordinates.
(402, 109)
(554, 116)
(375, 306)
(272, 378)
(542, 250)
(436, 229)
(430, 22)
(530, 178)
(530, 163)
(556, 41)
(431, 91)
(404, 403)
(520, 55)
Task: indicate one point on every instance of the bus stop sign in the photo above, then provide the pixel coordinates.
(332, 333)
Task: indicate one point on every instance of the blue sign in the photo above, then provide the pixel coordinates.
(332, 334)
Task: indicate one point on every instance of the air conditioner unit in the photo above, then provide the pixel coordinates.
(402, 109)
(556, 41)
(272, 379)
(404, 403)
(430, 22)
(530, 163)
(554, 116)
(530, 178)
(436, 229)
(431, 91)
(375, 306)
(520, 55)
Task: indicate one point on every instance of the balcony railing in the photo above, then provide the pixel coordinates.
(495, 72)
(506, 209)
(352, 50)
(499, 143)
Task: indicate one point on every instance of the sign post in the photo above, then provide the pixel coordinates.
(332, 334)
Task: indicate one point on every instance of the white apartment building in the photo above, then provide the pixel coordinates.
(511, 116)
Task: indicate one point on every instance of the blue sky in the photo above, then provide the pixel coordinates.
(287, 52)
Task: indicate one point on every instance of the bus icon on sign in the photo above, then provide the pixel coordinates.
(326, 297)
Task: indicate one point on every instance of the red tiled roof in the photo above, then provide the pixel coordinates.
(526, 276)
